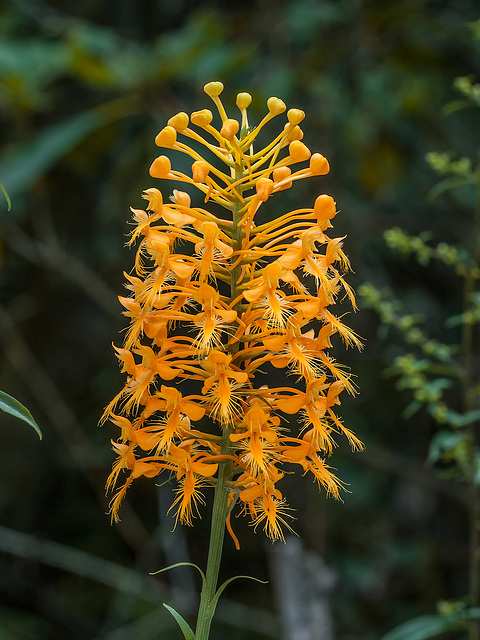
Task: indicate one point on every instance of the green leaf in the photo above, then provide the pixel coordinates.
(182, 564)
(422, 628)
(463, 419)
(449, 183)
(454, 321)
(24, 166)
(411, 409)
(223, 586)
(7, 198)
(455, 105)
(16, 408)
(442, 442)
(183, 624)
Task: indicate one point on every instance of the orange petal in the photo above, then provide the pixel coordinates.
(166, 372)
(181, 268)
(154, 403)
(251, 494)
(275, 343)
(204, 469)
(148, 469)
(253, 294)
(193, 410)
(292, 404)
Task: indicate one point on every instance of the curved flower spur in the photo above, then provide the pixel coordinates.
(214, 299)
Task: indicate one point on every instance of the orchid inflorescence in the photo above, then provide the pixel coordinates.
(219, 303)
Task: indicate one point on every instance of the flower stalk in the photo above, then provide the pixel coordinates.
(220, 508)
(217, 533)
(222, 310)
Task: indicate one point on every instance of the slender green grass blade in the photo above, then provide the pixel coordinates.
(16, 408)
(181, 564)
(7, 197)
(186, 630)
(223, 586)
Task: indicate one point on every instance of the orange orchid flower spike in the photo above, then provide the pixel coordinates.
(223, 308)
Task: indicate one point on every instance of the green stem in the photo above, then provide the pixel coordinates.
(219, 514)
(206, 609)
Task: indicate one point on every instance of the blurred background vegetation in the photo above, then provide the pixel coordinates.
(84, 88)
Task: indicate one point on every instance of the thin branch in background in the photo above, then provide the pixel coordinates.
(71, 433)
(414, 472)
(82, 564)
(51, 254)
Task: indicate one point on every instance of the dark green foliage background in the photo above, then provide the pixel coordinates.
(84, 88)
